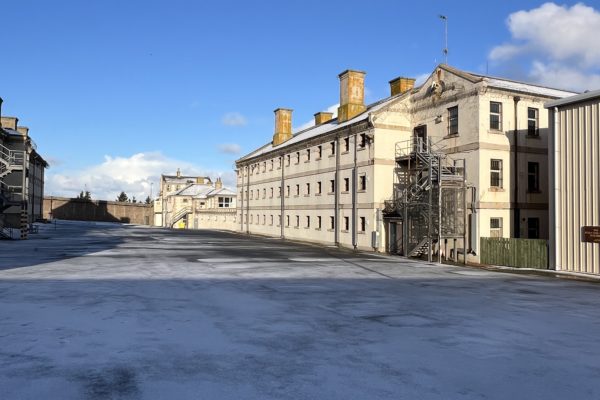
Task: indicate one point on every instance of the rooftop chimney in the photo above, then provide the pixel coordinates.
(23, 130)
(401, 85)
(322, 117)
(283, 125)
(200, 180)
(218, 184)
(352, 94)
(178, 173)
(9, 122)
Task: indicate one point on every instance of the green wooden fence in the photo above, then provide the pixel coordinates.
(520, 253)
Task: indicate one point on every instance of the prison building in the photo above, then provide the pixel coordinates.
(575, 183)
(194, 202)
(22, 171)
(343, 181)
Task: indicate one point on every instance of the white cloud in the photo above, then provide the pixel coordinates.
(332, 109)
(234, 119)
(134, 175)
(230, 148)
(555, 39)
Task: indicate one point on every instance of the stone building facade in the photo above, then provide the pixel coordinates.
(329, 183)
(194, 202)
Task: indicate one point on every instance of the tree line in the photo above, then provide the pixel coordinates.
(123, 198)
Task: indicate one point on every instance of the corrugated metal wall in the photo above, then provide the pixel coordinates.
(577, 194)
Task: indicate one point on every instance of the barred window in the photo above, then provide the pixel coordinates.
(495, 116)
(533, 122)
(453, 120)
(533, 177)
(496, 173)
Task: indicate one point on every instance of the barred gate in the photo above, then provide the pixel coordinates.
(519, 253)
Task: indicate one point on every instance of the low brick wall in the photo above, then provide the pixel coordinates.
(98, 210)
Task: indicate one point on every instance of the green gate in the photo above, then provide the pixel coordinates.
(520, 253)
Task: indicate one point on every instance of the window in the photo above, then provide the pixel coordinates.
(346, 184)
(533, 228)
(346, 223)
(287, 220)
(453, 120)
(308, 189)
(279, 191)
(297, 190)
(265, 166)
(224, 202)
(257, 194)
(297, 221)
(495, 116)
(496, 227)
(251, 194)
(308, 221)
(363, 140)
(319, 223)
(331, 222)
(184, 200)
(332, 146)
(297, 157)
(532, 122)
(346, 144)
(332, 186)
(307, 154)
(271, 193)
(287, 191)
(496, 173)
(533, 177)
(362, 183)
(264, 219)
(289, 159)
(319, 187)
(272, 165)
(279, 220)
(363, 224)
(264, 193)
(320, 151)
(168, 188)
(271, 220)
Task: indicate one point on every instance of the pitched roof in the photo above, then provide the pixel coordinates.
(202, 191)
(574, 99)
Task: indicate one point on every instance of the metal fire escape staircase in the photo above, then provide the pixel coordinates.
(10, 160)
(423, 175)
(179, 215)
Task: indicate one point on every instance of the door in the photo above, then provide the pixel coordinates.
(420, 135)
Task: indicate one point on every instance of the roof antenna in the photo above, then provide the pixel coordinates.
(445, 51)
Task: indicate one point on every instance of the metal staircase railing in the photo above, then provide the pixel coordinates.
(179, 215)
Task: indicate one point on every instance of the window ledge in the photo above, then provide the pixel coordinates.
(451, 136)
(495, 132)
(362, 191)
(331, 193)
(344, 230)
(345, 192)
(329, 230)
(496, 189)
(331, 155)
(307, 195)
(317, 229)
(361, 148)
(317, 194)
(361, 232)
(345, 152)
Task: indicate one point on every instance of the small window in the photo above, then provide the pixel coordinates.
(533, 177)
(224, 202)
(453, 120)
(307, 189)
(297, 190)
(495, 116)
(287, 220)
(272, 165)
(264, 219)
(363, 224)
(297, 157)
(251, 218)
(533, 122)
(362, 183)
(279, 191)
(308, 221)
(271, 193)
(319, 187)
(331, 222)
(289, 160)
(346, 144)
(496, 227)
(264, 193)
(251, 194)
(496, 173)
(318, 222)
(332, 147)
(346, 223)
(307, 154)
(332, 186)
(363, 140)
(287, 191)
(279, 221)
(265, 166)
(271, 220)
(533, 228)
(297, 221)
(320, 151)
(346, 184)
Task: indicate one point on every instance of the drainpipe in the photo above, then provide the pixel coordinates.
(555, 220)
(336, 185)
(516, 211)
(242, 202)
(248, 200)
(281, 196)
(354, 195)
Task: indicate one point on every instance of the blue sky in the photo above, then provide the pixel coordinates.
(116, 92)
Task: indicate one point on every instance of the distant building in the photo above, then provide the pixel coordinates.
(574, 151)
(345, 180)
(21, 177)
(194, 202)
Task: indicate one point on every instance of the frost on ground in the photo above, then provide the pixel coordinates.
(104, 311)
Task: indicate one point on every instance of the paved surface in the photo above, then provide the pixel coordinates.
(101, 311)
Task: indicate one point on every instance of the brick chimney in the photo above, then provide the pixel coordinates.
(23, 130)
(200, 180)
(218, 184)
(283, 125)
(322, 117)
(401, 85)
(352, 94)
(9, 122)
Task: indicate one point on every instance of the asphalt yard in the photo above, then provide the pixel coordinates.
(106, 311)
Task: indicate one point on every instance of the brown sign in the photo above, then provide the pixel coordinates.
(591, 234)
